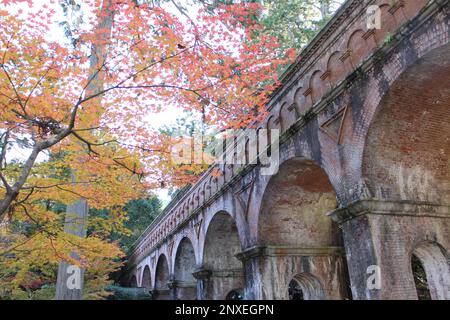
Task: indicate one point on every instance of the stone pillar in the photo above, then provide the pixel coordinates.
(182, 290)
(217, 284)
(251, 259)
(380, 238)
(270, 269)
(202, 275)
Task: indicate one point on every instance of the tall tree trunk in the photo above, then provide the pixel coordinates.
(70, 281)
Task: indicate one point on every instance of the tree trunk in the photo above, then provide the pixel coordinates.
(13, 191)
(70, 281)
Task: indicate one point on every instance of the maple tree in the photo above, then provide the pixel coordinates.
(79, 109)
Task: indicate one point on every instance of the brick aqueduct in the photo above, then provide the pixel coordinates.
(363, 185)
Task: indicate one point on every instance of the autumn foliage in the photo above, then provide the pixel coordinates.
(78, 108)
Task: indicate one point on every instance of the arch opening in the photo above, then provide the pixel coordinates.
(406, 164)
(236, 294)
(295, 291)
(221, 246)
(293, 220)
(146, 278)
(162, 278)
(185, 284)
(420, 279)
(305, 287)
(431, 271)
(294, 208)
(407, 151)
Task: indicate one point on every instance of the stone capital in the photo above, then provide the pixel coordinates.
(202, 274)
(228, 273)
(383, 207)
(282, 251)
(182, 284)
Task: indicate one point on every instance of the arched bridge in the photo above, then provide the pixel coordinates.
(361, 201)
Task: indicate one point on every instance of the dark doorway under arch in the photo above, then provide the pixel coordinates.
(431, 272)
(306, 287)
(420, 279)
(236, 294)
(295, 291)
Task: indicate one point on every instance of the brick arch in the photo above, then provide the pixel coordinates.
(202, 193)
(295, 201)
(366, 99)
(199, 195)
(311, 286)
(206, 191)
(221, 179)
(218, 179)
(290, 215)
(335, 68)
(210, 187)
(184, 265)
(191, 203)
(209, 216)
(146, 277)
(162, 273)
(299, 100)
(406, 154)
(358, 47)
(191, 236)
(221, 244)
(388, 23)
(289, 153)
(196, 198)
(246, 157)
(317, 86)
(306, 100)
(187, 207)
(271, 122)
(435, 261)
(184, 211)
(286, 117)
(178, 215)
(258, 151)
